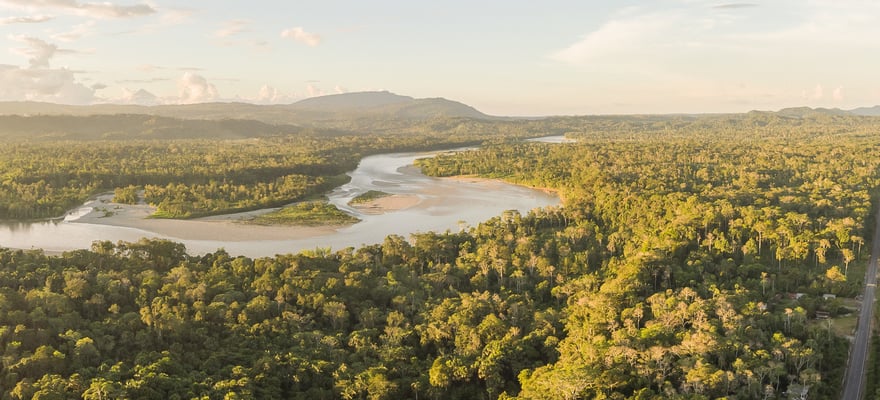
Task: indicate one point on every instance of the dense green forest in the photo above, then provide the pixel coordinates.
(194, 177)
(190, 168)
(665, 274)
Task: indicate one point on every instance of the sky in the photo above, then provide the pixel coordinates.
(511, 57)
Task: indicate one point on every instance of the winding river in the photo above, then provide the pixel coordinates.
(442, 204)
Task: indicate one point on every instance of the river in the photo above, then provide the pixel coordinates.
(443, 204)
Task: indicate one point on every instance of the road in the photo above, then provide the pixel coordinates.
(854, 383)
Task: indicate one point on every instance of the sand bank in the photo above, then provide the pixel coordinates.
(230, 227)
(488, 181)
(386, 204)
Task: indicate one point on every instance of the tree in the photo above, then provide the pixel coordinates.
(847, 258)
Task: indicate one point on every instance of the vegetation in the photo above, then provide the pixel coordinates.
(126, 195)
(309, 213)
(368, 197)
(667, 273)
(187, 178)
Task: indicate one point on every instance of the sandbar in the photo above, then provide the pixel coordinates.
(230, 227)
(488, 181)
(382, 205)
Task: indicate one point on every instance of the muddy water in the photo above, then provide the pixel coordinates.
(444, 204)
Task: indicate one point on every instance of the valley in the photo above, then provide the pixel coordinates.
(663, 256)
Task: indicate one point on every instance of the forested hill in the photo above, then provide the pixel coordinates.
(382, 113)
(312, 111)
(388, 104)
(132, 126)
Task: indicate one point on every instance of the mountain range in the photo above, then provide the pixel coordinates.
(341, 114)
(348, 106)
(337, 107)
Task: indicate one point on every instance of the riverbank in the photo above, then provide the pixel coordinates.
(229, 227)
(419, 204)
(480, 180)
(382, 205)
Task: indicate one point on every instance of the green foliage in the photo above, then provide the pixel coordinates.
(310, 213)
(126, 195)
(187, 178)
(664, 275)
(368, 196)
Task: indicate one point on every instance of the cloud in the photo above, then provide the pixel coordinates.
(616, 37)
(25, 20)
(837, 95)
(38, 51)
(139, 97)
(193, 88)
(271, 95)
(300, 35)
(98, 86)
(48, 85)
(232, 28)
(77, 32)
(89, 9)
(313, 91)
(340, 90)
(816, 94)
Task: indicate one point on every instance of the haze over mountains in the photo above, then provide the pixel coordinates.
(346, 106)
(331, 107)
(350, 113)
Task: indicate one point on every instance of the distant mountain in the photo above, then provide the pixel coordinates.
(359, 101)
(389, 105)
(348, 106)
(866, 111)
(801, 112)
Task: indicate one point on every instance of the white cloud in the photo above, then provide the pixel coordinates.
(622, 36)
(39, 82)
(78, 31)
(194, 88)
(271, 95)
(25, 20)
(139, 97)
(38, 51)
(816, 94)
(313, 91)
(838, 94)
(48, 85)
(232, 28)
(90, 9)
(340, 90)
(300, 35)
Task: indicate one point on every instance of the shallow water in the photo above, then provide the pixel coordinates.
(446, 204)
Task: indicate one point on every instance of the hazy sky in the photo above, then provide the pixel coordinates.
(511, 57)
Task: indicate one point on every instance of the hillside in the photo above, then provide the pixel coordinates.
(131, 127)
(387, 104)
(311, 111)
(866, 111)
